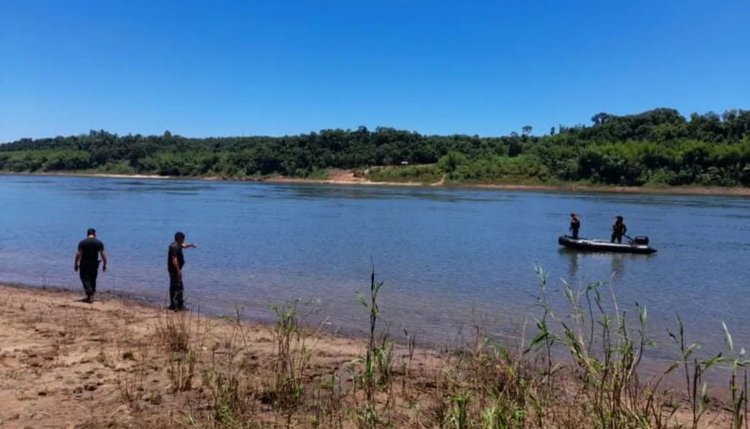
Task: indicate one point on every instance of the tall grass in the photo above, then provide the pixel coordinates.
(292, 356)
(737, 381)
(375, 373)
(581, 369)
(174, 330)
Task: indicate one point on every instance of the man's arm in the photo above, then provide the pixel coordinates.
(104, 259)
(189, 245)
(77, 262)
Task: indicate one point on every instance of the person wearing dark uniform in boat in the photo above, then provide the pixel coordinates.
(575, 225)
(618, 230)
(87, 262)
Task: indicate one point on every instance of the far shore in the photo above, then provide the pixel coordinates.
(347, 177)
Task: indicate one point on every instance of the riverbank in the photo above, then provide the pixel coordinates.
(350, 177)
(123, 364)
(119, 363)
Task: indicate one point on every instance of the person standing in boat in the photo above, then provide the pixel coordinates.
(618, 230)
(575, 225)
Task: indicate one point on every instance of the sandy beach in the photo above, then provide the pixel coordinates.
(122, 364)
(68, 364)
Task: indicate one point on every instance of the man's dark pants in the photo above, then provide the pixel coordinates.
(88, 275)
(175, 292)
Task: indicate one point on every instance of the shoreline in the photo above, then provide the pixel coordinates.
(347, 178)
(115, 363)
(67, 363)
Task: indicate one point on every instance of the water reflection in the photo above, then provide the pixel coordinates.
(618, 263)
(607, 266)
(682, 201)
(573, 261)
(575, 257)
(386, 193)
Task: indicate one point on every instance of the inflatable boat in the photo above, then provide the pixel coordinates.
(637, 245)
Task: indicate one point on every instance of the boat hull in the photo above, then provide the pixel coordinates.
(593, 245)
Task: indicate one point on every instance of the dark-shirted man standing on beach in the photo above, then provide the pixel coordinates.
(87, 262)
(175, 262)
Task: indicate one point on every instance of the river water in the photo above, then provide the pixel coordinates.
(450, 259)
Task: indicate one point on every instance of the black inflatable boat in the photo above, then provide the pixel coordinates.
(637, 245)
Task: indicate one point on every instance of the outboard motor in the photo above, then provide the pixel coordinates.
(641, 239)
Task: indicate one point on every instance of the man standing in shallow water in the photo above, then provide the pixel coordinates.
(87, 261)
(175, 262)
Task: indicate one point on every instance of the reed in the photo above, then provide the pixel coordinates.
(737, 381)
(292, 356)
(375, 372)
(693, 369)
(581, 369)
(173, 331)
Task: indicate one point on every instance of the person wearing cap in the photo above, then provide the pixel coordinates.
(575, 225)
(87, 262)
(175, 262)
(618, 230)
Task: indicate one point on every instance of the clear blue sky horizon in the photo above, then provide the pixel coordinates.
(284, 67)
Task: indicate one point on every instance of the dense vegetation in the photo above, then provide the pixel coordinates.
(655, 147)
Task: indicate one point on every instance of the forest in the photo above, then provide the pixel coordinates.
(656, 147)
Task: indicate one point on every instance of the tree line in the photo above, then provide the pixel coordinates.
(658, 146)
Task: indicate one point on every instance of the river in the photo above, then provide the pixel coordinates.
(450, 259)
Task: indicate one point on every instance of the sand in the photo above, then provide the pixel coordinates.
(68, 364)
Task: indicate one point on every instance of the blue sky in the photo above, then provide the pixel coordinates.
(228, 68)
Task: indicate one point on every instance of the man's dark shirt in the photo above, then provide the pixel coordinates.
(90, 248)
(175, 250)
